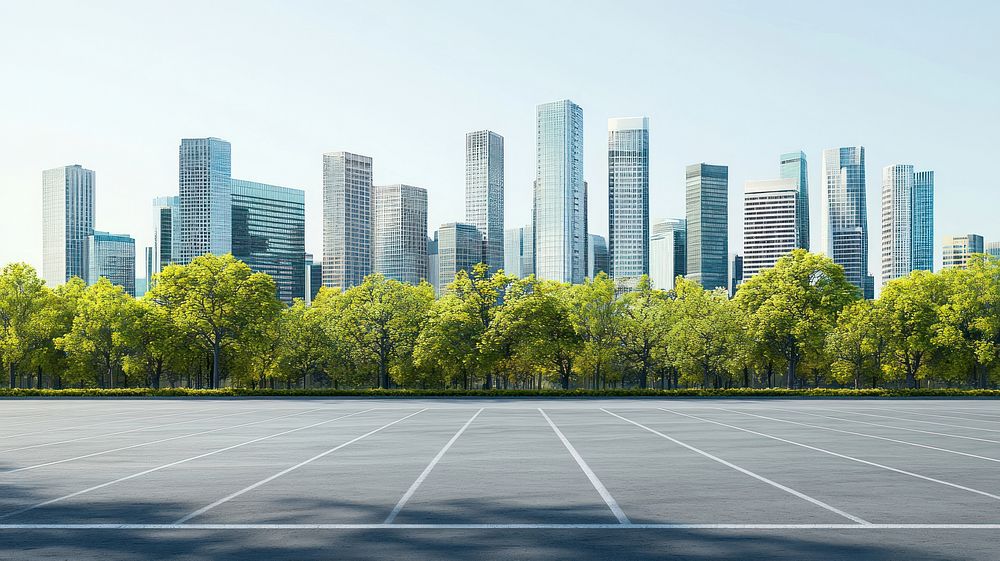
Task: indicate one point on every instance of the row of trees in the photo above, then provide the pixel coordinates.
(214, 322)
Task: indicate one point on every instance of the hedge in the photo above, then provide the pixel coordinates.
(404, 393)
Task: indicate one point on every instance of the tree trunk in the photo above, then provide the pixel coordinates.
(38, 382)
(13, 375)
(216, 357)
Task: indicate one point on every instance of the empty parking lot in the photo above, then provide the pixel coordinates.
(499, 479)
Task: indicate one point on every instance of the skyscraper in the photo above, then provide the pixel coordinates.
(560, 212)
(598, 258)
(770, 223)
(628, 197)
(484, 191)
(111, 256)
(736, 277)
(845, 214)
(347, 251)
(907, 221)
(708, 225)
(166, 234)
(268, 233)
(794, 166)
(67, 220)
(399, 232)
(433, 263)
(513, 251)
(992, 249)
(313, 276)
(957, 250)
(205, 197)
(923, 221)
(460, 248)
(667, 252)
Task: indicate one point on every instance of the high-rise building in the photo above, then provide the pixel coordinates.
(484, 191)
(111, 256)
(667, 252)
(907, 221)
(205, 198)
(628, 197)
(67, 221)
(347, 251)
(148, 255)
(957, 250)
(560, 203)
(166, 234)
(598, 258)
(992, 249)
(399, 232)
(708, 225)
(770, 223)
(794, 166)
(433, 268)
(736, 271)
(313, 276)
(268, 233)
(845, 214)
(460, 248)
(514, 242)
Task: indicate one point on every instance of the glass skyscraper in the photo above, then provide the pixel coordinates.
(560, 203)
(708, 225)
(205, 198)
(460, 248)
(111, 256)
(628, 197)
(794, 166)
(923, 221)
(907, 221)
(845, 214)
(598, 258)
(67, 221)
(433, 270)
(347, 250)
(166, 234)
(400, 232)
(667, 252)
(484, 196)
(268, 233)
(770, 223)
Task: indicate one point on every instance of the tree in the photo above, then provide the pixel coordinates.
(791, 307)
(97, 343)
(597, 316)
(857, 344)
(23, 296)
(304, 346)
(216, 300)
(644, 328)
(910, 308)
(701, 331)
(969, 321)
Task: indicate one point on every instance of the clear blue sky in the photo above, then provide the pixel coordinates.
(115, 85)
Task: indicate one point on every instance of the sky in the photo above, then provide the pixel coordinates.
(114, 86)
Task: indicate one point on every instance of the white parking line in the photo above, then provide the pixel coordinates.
(594, 480)
(844, 456)
(72, 426)
(907, 429)
(151, 442)
(178, 462)
(248, 488)
(583, 526)
(907, 419)
(744, 471)
(922, 414)
(427, 470)
(865, 435)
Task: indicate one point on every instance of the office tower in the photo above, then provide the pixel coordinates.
(598, 258)
(667, 252)
(205, 198)
(484, 191)
(770, 223)
(268, 233)
(628, 197)
(845, 214)
(560, 212)
(460, 248)
(433, 269)
(923, 221)
(708, 225)
(313, 274)
(736, 273)
(141, 287)
(111, 256)
(67, 220)
(347, 186)
(957, 250)
(516, 242)
(907, 221)
(794, 166)
(992, 249)
(148, 260)
(166, 234)
(399, 232)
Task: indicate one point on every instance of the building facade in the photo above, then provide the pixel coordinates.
(598, 258)
(347, 223)
(794, 166)
(399, 226)
(484, 198)
(770, 223)
(559, 214)
(992, 249)
(459, 248)
(268, 233)
(205, 198)
(67, 221)
(111, 256)
(166, 234)
(667, 252)
(907, 221)
(708, 225)
(628, 197)
(845, 214)
(923, 221)
(957, 250)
